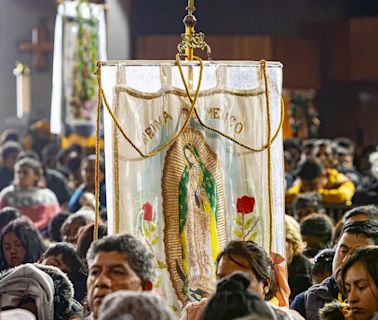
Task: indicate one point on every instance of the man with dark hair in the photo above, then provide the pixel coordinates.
(333, 187)
(317, 232)
(307, 203)
(9, 153)
(361, 213)
(325, 153)
(354, 235)
(117, 263)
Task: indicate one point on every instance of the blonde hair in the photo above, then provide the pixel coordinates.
(293, 234)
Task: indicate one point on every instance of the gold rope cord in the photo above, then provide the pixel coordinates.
(191, 110)
(262, 148)
(270, 141)
(186, 122)
(116, 223)
(269, 164)
(148, 96)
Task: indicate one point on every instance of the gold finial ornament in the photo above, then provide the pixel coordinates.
(190, 8)
(190, 39)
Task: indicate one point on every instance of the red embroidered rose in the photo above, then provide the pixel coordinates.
(245, 204)
(148, 211)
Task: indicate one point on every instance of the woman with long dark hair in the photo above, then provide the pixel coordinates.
(251, 259)
(359, 282)
(20, 242)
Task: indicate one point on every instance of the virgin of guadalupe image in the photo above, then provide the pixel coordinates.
(193, 206)
(198, 214)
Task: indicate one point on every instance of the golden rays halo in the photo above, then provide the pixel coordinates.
(174, 166)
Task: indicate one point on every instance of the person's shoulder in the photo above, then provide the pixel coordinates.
(301, 258)
(193, 310)
(336, 177)
(79, 189)
(300, 264)
(7, 190)
(323, 291)
(285, 314)
(48, 193)
(305, 261)
(56, 175)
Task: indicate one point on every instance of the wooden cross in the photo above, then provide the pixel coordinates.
(39, 47)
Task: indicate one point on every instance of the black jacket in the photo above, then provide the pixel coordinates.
(300, 275)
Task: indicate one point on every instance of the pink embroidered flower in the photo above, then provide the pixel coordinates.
(245, 204)
(148, 211)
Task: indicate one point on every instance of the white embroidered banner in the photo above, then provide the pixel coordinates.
(189, 200)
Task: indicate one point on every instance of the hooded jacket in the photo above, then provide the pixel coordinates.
(28, 280)
(17, 314)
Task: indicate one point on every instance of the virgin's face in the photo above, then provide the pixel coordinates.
(190, 156)
(362, 293)
(226, 267)
(13, 249)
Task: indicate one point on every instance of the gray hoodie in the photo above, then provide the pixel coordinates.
(28, 281)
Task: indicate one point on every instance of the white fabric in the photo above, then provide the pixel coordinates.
(28, 280)
(17, 314)
(221, 106)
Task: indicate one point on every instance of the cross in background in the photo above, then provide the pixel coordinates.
(38, 47)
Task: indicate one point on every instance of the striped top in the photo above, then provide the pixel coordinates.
(40, 205)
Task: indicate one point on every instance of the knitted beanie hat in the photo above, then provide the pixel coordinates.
(134, 306)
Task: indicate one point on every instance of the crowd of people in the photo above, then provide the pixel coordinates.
(51, 268)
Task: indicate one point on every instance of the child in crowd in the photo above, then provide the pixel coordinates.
(38, 204)
(322, 267)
